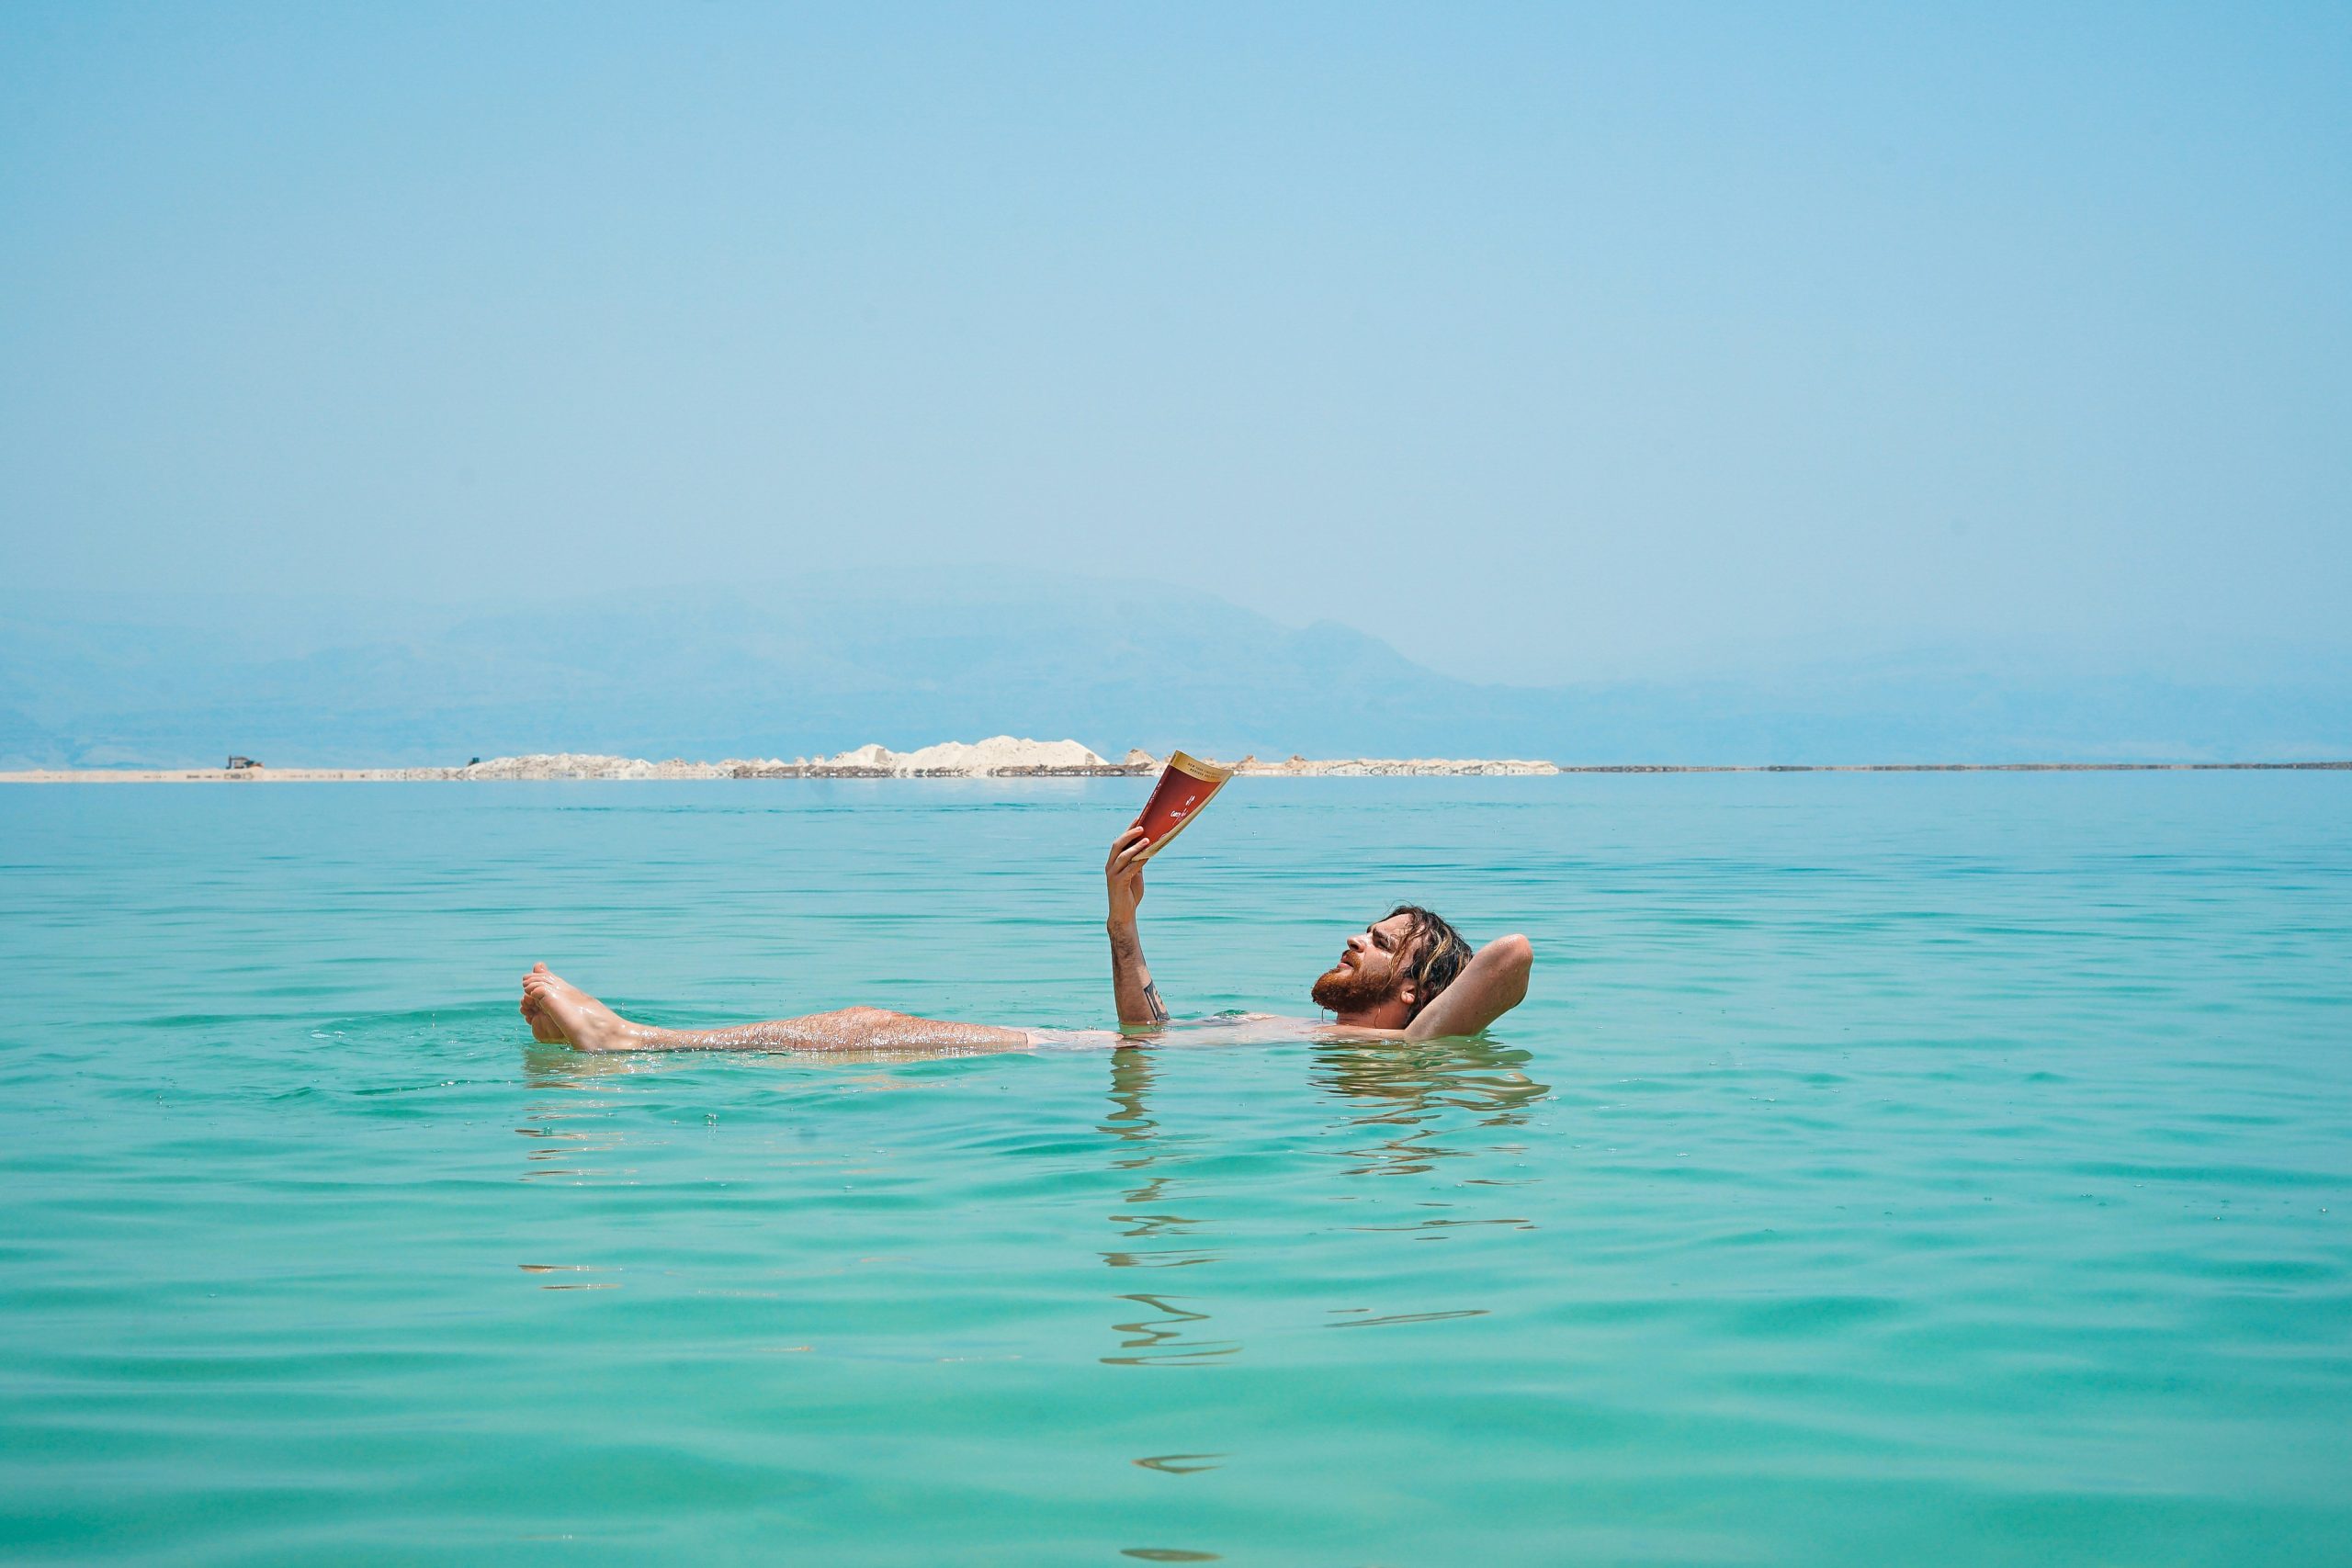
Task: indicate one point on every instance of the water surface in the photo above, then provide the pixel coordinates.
(1886, 1170)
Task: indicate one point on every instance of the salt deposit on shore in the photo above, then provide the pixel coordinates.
(1394, 767)
(1000, 756)
(583, 765)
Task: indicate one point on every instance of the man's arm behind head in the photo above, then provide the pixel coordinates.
(1492, 983)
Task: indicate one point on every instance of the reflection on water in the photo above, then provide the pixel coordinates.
(1396, 1317)
(559, 1148)
(1164, 1339)
(1426, 1102)
(1131, 1077)
(561, 1066)
(581, 1121)
(1409, 1089)
(1407, 1108)
(1180, 1464)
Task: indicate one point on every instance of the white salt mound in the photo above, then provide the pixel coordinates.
(957, 759)
(998, 753)
(586, 765)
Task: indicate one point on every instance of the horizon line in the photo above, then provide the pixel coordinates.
(263, 774)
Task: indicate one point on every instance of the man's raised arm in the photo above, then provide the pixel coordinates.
(1490, 985)
(1139, 998)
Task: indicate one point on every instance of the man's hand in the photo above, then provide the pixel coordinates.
(1122, 875)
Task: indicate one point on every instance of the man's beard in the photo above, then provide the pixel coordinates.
(1342, 989)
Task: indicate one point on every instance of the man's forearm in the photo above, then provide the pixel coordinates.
(1139, 998)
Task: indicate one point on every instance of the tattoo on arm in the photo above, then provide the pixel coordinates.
(1139, 998)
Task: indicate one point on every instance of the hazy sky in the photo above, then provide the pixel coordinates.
(1546, 342)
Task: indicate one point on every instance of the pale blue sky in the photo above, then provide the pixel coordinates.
(1547, 343)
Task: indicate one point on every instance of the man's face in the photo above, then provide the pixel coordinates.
(1375, 963)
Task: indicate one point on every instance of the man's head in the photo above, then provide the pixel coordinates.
(1403, 960)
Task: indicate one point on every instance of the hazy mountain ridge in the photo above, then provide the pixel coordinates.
(906, 660)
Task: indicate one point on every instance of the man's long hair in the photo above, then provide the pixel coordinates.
(1439, 954)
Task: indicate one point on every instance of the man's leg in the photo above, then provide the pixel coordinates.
(559, 1010)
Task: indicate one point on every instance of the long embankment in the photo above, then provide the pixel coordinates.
(632, 769)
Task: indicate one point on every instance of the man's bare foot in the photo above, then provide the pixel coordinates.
(544, 1028)
(559, 1010)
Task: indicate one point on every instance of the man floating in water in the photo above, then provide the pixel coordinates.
(1408, 975)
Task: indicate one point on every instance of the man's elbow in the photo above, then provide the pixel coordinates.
(1518, 957)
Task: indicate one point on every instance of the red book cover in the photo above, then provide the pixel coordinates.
(1184, 789)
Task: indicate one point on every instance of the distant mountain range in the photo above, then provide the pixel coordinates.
(99, 681)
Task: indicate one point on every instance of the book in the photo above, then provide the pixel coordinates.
(1185, 787)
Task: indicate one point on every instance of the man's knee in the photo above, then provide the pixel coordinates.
(855, 1027)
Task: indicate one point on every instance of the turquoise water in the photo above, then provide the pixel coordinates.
(1912, 1169)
